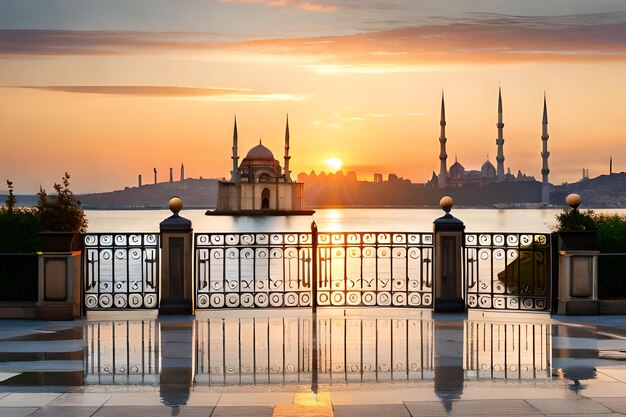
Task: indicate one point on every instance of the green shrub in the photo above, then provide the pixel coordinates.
(18, 277)
(61, 212)
(19, 233)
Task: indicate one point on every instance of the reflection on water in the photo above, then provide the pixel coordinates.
(278, 350)
(123, 352)
(509, 351)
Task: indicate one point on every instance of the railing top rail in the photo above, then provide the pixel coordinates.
(323, 238)
(506, 239)
(93, 240)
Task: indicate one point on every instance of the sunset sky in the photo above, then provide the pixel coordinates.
(107, 90)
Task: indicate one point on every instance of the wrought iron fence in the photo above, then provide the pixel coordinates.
(121, 270)
(508, 271)
(253, 269)
(375, 269)
(276, 269)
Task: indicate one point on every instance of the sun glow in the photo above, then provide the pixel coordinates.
(334, 163)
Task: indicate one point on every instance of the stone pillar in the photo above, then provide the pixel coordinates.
(448, 285)
(578, 269)
(59, 286)
(176, 266)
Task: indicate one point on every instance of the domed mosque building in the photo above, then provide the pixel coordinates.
(457, 176)
(259, 185)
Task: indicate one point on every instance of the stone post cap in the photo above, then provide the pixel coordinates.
(175, 222)
(448, 221)
(176, 204)
(446, 203)
(573, 200)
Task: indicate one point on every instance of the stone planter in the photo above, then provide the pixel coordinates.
(577, 240)
(578, 273)
(59, 276)
(61, 241)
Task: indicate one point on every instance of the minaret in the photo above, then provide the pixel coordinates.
(171, 174)
(500, 140)
(443, 170)
(234, 174)
(139, 180)
(182, 172)
(545, 185)
(155, 175)
(287, 173)
(611, 165)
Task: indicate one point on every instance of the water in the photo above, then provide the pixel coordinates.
(334, 220)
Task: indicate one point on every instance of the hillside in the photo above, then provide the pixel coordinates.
(196, 193)
(602, 191)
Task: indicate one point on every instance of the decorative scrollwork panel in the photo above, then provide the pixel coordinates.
(275, 270)
(121, 270)
(508, 271)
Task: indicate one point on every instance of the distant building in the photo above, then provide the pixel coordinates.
(259, 185)
(458, 176)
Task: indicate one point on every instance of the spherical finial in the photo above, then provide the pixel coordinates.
(573, 200)
(446, 203)
(176, 204)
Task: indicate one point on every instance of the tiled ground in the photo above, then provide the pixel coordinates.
(263, 404)
(571, 392)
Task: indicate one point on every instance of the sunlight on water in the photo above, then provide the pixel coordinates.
(334, 220)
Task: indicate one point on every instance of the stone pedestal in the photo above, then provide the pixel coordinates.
(59, 286)
(176, 265)
(448, 285)
(578, 282)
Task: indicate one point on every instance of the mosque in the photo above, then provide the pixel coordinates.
(457, 176)
(259, 185)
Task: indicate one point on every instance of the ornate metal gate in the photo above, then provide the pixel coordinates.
(275, 269)
(121, 270)
(508, 271)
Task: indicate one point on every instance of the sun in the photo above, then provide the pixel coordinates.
(334, 163)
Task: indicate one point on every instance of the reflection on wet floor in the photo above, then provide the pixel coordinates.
(175, 354)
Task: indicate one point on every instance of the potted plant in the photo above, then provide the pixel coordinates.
(61, 218)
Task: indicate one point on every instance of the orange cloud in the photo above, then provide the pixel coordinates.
(413, 48)
(307, 6)
(216, 94)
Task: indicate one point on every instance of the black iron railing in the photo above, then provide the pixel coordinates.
(121, 270)
(277, 269)
(253, 269)
(507, 271)
(375, 269)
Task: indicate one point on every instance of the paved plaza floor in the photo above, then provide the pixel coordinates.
(46, 370)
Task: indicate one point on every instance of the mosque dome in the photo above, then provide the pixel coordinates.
(259, 165)
(457, 170)
(260, 152)
(488, 170)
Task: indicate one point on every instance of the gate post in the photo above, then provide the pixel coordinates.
(176, 266)
(448, 286)
(314, 282)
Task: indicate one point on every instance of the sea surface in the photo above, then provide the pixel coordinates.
(334, 220)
